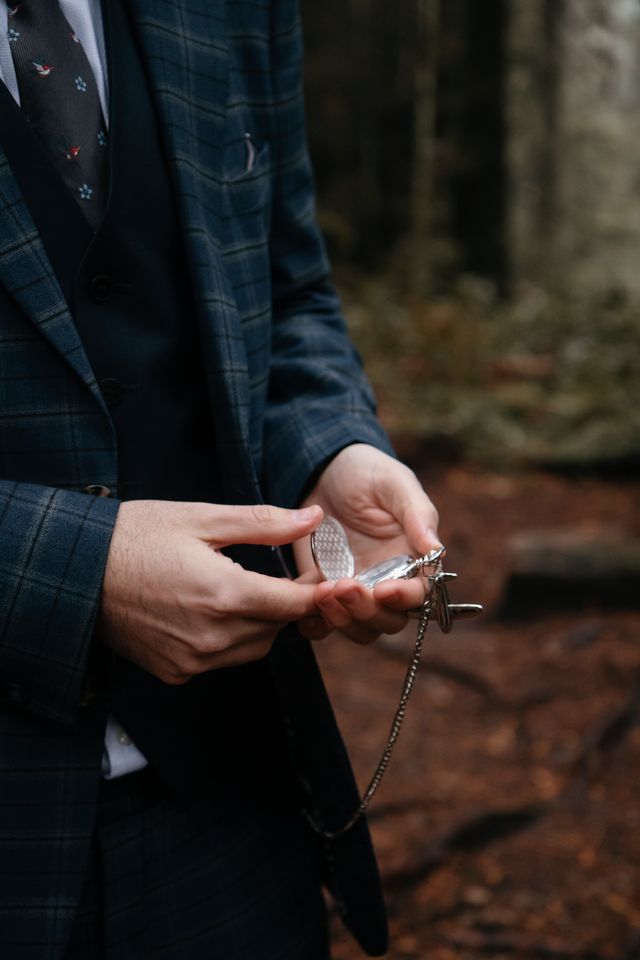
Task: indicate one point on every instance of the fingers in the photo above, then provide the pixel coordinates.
(243, 642)
(253, 595)
(402, 595)
(360, 614)
(259, 523)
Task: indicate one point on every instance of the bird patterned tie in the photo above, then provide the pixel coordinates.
(59, 96)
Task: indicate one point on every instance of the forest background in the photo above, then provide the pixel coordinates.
(479, 188)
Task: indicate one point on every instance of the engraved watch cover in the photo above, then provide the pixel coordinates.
(331, 551)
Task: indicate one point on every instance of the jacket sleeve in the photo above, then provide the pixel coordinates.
(54, 550)
(319, 400)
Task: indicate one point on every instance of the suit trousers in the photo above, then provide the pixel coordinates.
(238, 881)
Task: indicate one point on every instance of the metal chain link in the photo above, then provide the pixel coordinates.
(396, 725)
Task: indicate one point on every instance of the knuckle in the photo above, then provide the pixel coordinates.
(223, 601)
(211, 644)
(221, 643)
(201, 645)
(262, 513)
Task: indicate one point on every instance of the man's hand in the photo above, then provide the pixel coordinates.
(385, 512)
(176, 606)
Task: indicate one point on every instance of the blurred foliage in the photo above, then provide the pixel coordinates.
(477, 161)
(534, 379)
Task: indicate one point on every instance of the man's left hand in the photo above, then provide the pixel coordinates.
(385, 512)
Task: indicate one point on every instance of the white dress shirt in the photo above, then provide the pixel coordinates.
(120, 754)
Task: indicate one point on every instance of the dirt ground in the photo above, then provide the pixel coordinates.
(509, 823)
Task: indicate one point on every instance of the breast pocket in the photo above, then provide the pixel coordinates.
(246, 224)
(247, 175)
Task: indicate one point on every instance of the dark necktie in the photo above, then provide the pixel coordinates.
(59, 95)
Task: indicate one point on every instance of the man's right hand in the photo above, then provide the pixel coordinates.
(176, 606)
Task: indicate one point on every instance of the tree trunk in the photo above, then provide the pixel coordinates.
(424, 150)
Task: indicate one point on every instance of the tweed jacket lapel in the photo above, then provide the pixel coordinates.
(186, 50)
(27, 275)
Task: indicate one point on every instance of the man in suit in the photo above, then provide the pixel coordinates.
(173, 358)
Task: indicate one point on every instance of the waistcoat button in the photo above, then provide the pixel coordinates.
(101, 287)
(98, 490)
(17, 694)
(111, 390)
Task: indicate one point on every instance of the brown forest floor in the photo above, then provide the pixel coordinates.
(509, 823)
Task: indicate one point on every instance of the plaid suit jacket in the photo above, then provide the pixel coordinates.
(286, 388)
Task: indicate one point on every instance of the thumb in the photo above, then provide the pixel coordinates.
(420, 524)
(415, 512)
(260, 524)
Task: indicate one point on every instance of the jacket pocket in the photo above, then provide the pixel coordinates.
(246, 174)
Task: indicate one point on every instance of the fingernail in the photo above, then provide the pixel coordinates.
(306, 514)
